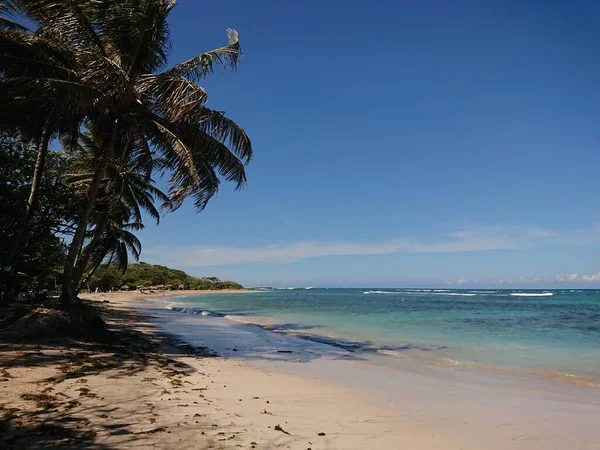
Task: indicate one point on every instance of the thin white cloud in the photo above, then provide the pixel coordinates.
(591, 277)
(473, 240)
(569, 279)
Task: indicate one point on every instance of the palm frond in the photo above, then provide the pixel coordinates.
(8, 24)
(191, 174)
(144, 47)
(226, 131)
(8, 8)
(215, 153)
(29, 53)
(171, 97)
(71, 19)
(202, 65)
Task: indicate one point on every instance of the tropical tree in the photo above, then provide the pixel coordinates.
(113, 245)
(40, 95)
(42, 250)
(126, 191)
(106, 59)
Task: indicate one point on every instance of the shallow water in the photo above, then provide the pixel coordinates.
(553, 333)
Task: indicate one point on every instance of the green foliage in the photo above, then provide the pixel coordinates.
(43, 251)
(108, 277)
(94, 74)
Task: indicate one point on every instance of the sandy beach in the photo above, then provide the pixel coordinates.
(151, 390)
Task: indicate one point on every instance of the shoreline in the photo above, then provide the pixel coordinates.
(128, 298)
(191, 401)
(526, 395)
(416, 353)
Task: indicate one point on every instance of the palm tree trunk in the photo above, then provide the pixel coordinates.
(84, 259)
(38, 171)
(69, 290)
(89, 276)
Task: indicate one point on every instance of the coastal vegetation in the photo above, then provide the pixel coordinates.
(147, 276)
(97, 135)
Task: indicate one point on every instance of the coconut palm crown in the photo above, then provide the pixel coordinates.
(104, 62)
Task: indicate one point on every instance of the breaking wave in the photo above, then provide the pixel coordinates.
(532, 294)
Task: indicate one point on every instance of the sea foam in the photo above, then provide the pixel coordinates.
(532, 294)
(382, 292)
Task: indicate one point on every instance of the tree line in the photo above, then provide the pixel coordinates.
(148, 276)
(90, 77)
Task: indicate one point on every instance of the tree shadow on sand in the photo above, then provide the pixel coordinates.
(48, 420)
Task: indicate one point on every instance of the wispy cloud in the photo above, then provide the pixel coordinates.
(591, 277)
(476, 239)
(557, 280)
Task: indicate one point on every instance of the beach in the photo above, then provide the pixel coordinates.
(157, 391)
(391, 255)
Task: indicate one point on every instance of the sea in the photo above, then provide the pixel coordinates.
(550, 333)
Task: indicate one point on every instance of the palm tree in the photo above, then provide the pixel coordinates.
(119, 49)
(7, 9)
(40, 96)
(126, 190)
(113, 245)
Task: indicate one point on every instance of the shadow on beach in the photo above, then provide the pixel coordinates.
(45, 417)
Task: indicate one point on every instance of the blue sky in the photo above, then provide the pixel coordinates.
(400, 144)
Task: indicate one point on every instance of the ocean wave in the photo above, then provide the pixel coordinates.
(194, 311)
(457, 363)
(532, 294)
(240, 319)
(383, 292)
(185, 310)
(442, 290)
(387, 352)
(459, 294)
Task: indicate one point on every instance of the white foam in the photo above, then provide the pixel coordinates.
(532, 294)
(240, 319)
(382, 292)
(461, 294)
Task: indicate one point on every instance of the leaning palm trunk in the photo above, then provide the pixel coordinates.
(69, 288)
(69, 285)
(84, 260)
(91, 273)
(38, 172)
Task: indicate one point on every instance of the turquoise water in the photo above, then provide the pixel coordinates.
(551, 331)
